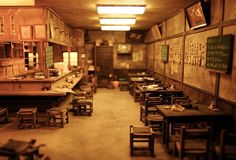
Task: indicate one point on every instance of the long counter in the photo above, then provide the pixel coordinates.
(41, 93)
(52, 86)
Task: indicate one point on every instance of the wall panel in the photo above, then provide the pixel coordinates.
(227, 88)
(173, 67)
(195, 73)
(158, 64)
(229, 10)
(175, 24)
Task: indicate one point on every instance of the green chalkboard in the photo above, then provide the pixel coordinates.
(49, 56)
(219, 53)
(164, 53)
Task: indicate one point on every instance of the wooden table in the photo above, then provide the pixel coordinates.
(203, 114)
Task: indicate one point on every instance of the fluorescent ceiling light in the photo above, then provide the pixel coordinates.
(115, 28)
(17, 2)
(117, 20)
(102, 9)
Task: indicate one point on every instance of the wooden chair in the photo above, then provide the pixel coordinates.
(149, 107)
(141, 135)
(136, 93)
(226, 150)
(176, 127)
(193, 143)
(156, 122)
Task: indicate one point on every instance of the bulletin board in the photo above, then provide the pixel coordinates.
(195, 61)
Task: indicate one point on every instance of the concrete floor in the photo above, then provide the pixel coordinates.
(104, 135)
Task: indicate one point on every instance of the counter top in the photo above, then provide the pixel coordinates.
(33, 93)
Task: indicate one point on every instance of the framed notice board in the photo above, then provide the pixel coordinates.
(219, 53)
(164, 53)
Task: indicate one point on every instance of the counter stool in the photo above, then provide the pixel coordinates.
(26, 117)
(141, 135)
(57, 113)
(81, 106)
(156, 122)
(3, 114)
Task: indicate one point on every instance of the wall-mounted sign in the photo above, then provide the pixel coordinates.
(13, 25)
(164, 53)
(135, 36)
(219, 53)
(1, 25)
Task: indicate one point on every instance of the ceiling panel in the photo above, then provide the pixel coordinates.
(83, 13)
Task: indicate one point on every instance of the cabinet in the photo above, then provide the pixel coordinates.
(31, 55)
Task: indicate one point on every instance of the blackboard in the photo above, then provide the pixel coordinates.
(219, 53)
(164, 53)
(49, 56)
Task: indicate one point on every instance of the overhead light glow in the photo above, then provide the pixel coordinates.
(17, 2)
(104, 9)
(117, 20)
(115, 28)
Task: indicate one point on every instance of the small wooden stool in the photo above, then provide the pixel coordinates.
(141, 135)
(124, 85)
(57, 113)
(81, 106)
(27, 116)
(3, 114)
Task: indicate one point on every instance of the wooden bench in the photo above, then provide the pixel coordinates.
(57, 113)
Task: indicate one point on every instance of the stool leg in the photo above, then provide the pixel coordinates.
(90, 110)
(67, 115)
(18, 120)
(47, 119)
(62, 119)
(34, 120)
(131, 145)
(152, 145)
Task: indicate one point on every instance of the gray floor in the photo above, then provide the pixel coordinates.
(104, 135)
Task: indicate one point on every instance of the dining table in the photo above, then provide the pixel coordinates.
(216, 118)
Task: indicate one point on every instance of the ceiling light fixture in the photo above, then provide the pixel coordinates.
(115, 9)
(17, 2)
(117, 20)
(115, 28)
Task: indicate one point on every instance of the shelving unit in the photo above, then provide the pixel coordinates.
(30, 55)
